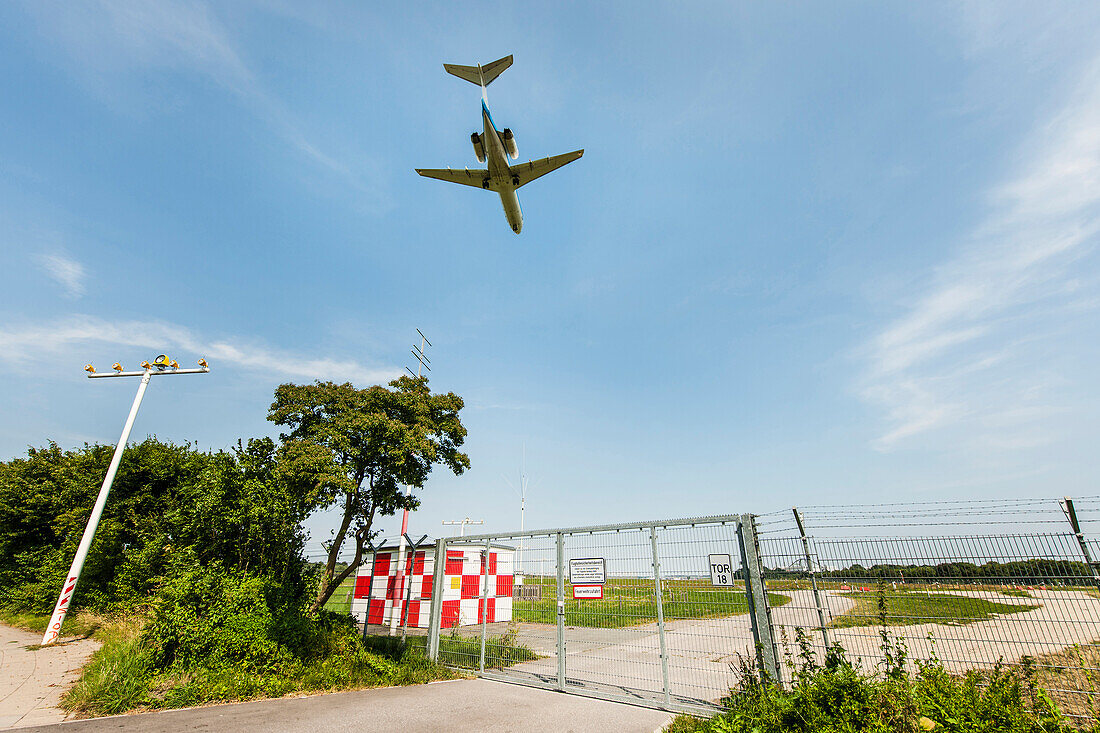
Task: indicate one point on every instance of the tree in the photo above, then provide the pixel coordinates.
(360, 446)
(239, 509)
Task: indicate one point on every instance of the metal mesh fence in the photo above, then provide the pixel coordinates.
(624, 612)
(983, 584)
(673, 613)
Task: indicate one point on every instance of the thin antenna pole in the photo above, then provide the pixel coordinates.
(422, 362)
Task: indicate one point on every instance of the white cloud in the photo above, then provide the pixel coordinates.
(110, 39)
(967, 351)
(66, 271)
(33, 344)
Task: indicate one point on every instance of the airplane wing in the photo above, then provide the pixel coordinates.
(475, 177)
(529, 171)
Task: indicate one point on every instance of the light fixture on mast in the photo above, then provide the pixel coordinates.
(161, 366)
(464, 522)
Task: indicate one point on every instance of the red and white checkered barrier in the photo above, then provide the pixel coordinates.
(462, 587)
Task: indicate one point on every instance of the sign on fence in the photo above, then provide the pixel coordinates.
(721, 570)
(587, 571)
(587, 592)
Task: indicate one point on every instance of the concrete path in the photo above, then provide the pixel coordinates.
(457, 706)
(627, 662)
(1062, 619)
(702, 652)
(33, 680)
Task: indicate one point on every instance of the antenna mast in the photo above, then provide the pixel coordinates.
(422, 362)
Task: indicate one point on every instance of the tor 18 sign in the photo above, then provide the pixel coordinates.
(721, 570)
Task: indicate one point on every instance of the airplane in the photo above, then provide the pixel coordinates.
(495, 146)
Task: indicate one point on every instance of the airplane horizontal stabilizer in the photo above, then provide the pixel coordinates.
(467, 177)
(529, 171)
(480, 75)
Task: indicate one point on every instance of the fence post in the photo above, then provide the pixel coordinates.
(1071, 515)
(813, 576)
(767, 653)
(561, 611)
(660, 613)
(484, 601)
(409, 592)
(435, 612)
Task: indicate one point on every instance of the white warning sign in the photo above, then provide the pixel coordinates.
(587, 571)
(721, 570)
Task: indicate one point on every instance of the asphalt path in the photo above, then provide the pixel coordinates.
(454, 706)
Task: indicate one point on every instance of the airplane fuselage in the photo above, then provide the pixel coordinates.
(494, 148)
(501, 178)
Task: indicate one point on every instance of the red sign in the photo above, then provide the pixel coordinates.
(587, 592)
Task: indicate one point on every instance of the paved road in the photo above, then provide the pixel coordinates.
(32, 680)
(457, 706)
(1062, 619)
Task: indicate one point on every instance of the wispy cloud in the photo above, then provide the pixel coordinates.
(109, 39)
(968, 350)
(66, 271)
(34, 344)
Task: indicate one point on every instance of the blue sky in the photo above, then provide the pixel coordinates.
(814, 253)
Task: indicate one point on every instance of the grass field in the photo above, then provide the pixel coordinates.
(626, 602)
(340, 601)
(907, 608)
(465, 651)
(630, 602)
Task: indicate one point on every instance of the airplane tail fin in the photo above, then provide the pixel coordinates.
(480, 75)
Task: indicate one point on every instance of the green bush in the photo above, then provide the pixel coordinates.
(236, 507)
(220, 635)
(218, 619)
(838, 697)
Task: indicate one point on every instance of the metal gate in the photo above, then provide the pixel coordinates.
(663, 614)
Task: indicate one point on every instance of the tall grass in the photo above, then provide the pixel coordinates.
(838, 696)
(117, 675)
(78, 624)
(122, 675)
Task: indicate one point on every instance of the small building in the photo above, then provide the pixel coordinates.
(377, 594)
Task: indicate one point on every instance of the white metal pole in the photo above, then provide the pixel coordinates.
(53, 631)
(399, 582)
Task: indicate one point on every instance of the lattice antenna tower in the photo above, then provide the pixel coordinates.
(418, 352)
(422, 362)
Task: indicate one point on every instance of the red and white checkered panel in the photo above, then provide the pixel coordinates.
(462, 588)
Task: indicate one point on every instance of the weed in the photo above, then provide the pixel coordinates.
(838, 697)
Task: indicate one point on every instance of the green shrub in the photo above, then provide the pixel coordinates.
(218, 619)
(232, 507)
(838, 697)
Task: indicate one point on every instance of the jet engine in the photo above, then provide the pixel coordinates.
(509, 143)
(479, 149)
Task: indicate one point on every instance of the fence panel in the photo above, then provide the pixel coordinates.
(972, 601)
(624, 612)
(708, 630)
(672, 613)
